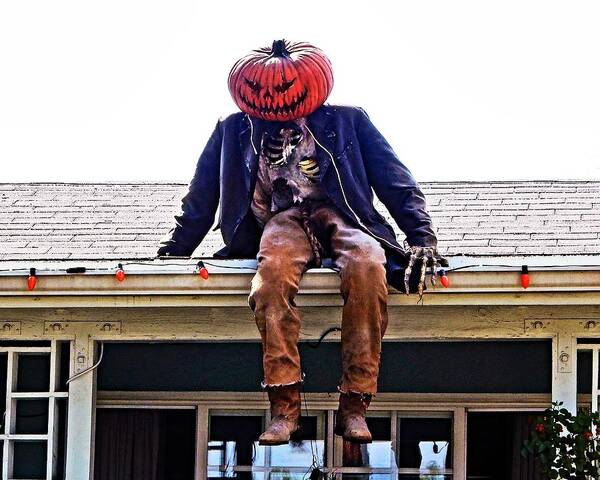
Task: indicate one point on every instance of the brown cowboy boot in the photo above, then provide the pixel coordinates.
(350, 420)
(285, 414)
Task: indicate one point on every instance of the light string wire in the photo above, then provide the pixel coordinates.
(151, 263)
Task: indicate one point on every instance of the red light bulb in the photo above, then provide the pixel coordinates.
(202, 270)
(524, 276)
(31, 279)
(444, 280)
(120, 273)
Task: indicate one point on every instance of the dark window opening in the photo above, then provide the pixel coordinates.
(32, 416)
(30, 460)
(33, 373)
(64, 349)
(584, 371)
(152, 444)
(494, 443)
(447, 367)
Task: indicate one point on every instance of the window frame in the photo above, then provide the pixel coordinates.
(8, 435)
(595, 349)
(458, 405)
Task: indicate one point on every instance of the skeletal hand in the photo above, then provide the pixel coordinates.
(426, 257)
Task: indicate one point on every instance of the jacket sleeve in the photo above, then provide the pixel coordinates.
(199, 205)
(394, 185)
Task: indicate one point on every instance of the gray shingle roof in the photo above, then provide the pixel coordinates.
(124, 220)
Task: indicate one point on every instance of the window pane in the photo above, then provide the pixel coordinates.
(32, 416)
(233, 449)
(63, 366)
(425, 443)
(307, 446)
(3, 368)
(140, 441)
(494, 443)
(232, 443)
(375, 455)
(33, 373)
(30, 460)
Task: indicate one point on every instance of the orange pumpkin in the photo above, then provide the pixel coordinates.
(285, 82)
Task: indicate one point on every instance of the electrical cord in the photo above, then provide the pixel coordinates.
(323, 335)
(89, 369)
(151, 263)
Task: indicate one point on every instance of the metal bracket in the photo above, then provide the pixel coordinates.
(576, 326)
(564, 354)
(72, 328)
(9, 329)
(535, 325)
(590, 325)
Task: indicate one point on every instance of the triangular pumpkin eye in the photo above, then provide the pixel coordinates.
(285, 86)
(253, 85)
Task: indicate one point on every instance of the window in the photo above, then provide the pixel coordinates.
(425, 446)
(33, 399)
(157, 443)
(233, 450)
(594, 350)
(405, 445)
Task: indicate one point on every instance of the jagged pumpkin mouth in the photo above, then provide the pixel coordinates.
(279, 110)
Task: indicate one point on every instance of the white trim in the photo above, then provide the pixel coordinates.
(9, 435)
(595, 349)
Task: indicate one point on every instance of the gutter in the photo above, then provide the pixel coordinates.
(477, 281)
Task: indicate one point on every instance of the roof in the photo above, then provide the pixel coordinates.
(112, 221)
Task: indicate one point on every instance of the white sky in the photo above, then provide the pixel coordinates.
(463, 90)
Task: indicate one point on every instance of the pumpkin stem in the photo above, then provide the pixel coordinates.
(279, 48)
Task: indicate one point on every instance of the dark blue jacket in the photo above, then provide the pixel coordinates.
(354, 159)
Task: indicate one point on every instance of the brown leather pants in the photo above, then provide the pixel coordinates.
(285, 253)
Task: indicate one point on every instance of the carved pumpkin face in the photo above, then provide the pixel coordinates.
(285, 82)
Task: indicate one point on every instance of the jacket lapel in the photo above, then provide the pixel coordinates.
(321, 125)
(247, 136)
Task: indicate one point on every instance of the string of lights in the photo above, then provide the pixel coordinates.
(200, 268)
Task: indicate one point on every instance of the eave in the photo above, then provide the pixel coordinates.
(159, 284)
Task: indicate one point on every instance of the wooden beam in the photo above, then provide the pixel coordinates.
(381, 402)
(201, 442)
(237, 323)
(459, 444)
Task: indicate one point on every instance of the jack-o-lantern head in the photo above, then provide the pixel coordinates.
(284, 82)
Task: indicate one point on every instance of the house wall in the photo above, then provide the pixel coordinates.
(556, 326)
